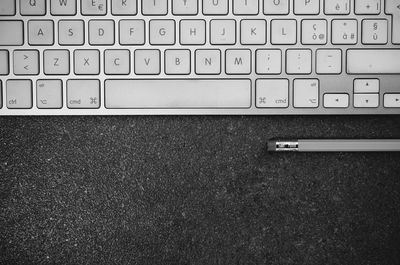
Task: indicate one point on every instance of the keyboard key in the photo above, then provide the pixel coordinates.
(11, 33)
(162, 32)
(192, 32)
(306, 7)
(373, 61)
(366, 86)
(374, 31)
(177, 62)
(329, 61)
(49, 94)
(32, 7)
(26, 62)
(314, 31)
(237, 61)
(7, 7)
(56, 62)
(93, 7)
(336, 100)
(298, 61)
(393, 8)
(83, 94)
(367, 7)
(366, 100)
(1, 94)
(63, 7)
(71, 32)
(131, 32)
(268, 61)
(185, 7)
(87, 62)
(208, 62)
(155, 8)
(182, 93)
(124, 7)
(101, 32)
(212, 7)
(283, 31)
(4, 62)
(223, 32)
(253, 32)
(344, 31)
(117, 62)
(19, 94)
(245, 7)
(41, 32)
(147, 62)
(306, 93)
(337, 7)
(392, 100)
(272, 93)
(273, 7)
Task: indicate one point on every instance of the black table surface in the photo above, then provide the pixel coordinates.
(195, 190)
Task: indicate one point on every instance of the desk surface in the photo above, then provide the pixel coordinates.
(195, 190)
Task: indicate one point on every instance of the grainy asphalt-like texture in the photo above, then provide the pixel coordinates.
(195, 190)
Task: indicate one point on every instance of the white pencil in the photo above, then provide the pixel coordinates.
(335, 145)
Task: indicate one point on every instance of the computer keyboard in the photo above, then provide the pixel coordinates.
(233, 57)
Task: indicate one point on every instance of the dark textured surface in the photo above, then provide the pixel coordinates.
(194, 190)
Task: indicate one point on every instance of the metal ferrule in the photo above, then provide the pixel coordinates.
(287, 146)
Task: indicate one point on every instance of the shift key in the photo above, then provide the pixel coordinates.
(377, 61)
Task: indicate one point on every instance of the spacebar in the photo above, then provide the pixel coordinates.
(177, 93)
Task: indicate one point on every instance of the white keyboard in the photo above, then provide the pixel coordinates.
(239, 57)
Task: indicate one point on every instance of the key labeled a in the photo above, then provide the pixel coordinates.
(41, 32)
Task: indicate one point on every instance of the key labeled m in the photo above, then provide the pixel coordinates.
(238, 61)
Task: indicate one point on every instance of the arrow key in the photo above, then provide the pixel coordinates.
(336, 100)
(366, 100)
(26, 62)
(392, 100)
(364, 86)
